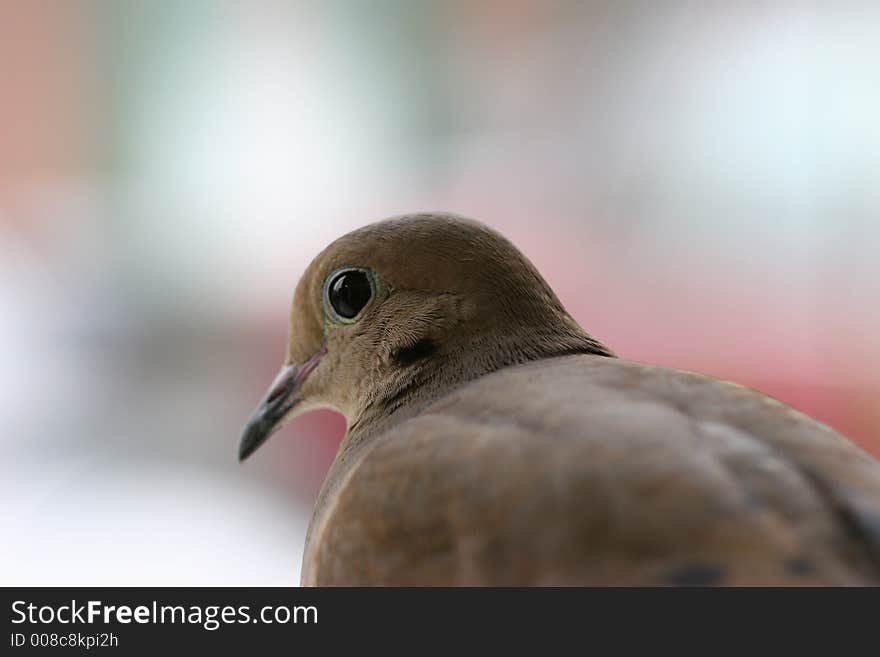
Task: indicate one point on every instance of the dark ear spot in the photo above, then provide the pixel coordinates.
(421, 350)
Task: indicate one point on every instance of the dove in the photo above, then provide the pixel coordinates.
(492, 441)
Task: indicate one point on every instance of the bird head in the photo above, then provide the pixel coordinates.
(412, 301)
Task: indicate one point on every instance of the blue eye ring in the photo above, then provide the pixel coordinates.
(348, 292)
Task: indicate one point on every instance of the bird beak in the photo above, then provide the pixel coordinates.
(281, 398)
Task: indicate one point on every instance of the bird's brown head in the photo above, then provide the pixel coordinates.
(414, 302)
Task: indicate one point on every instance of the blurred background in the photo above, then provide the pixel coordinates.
(699, 181)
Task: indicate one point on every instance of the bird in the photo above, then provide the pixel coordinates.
(492, 441)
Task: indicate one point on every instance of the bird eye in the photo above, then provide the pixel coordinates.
(348, 291)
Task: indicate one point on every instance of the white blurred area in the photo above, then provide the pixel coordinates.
(699, 181)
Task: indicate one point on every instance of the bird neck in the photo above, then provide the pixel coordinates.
(440, 371)
(423, 381)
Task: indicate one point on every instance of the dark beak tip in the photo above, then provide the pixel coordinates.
(243, 453)
(255, 434)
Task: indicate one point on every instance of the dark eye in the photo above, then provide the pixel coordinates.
(349, 291)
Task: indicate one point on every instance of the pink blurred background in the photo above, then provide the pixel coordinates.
(700, 183)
